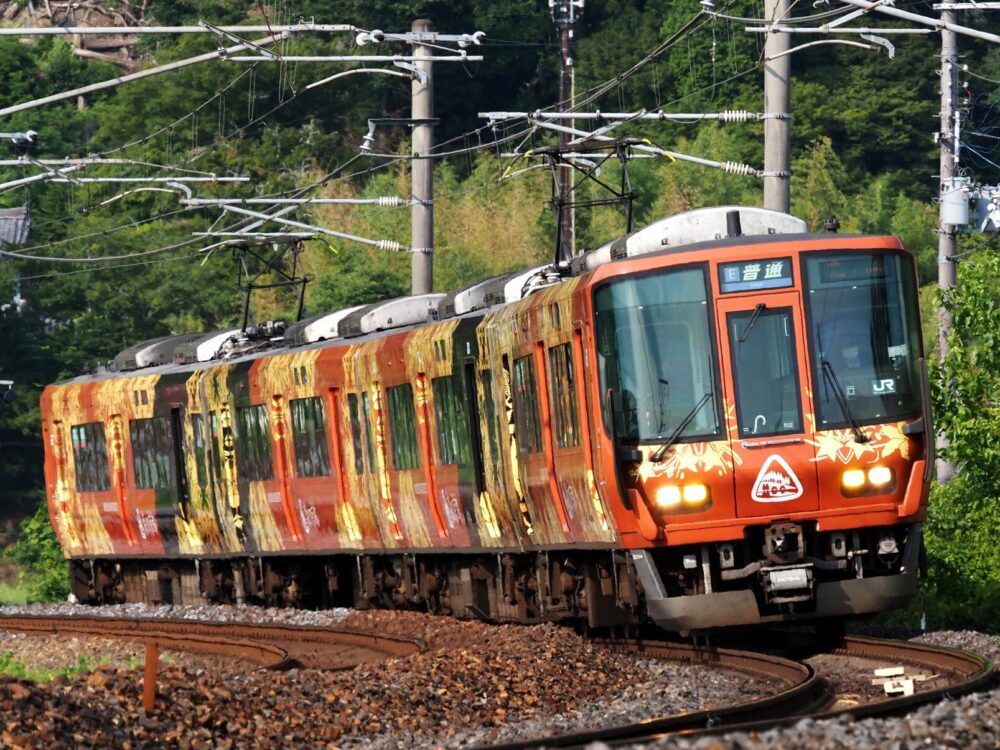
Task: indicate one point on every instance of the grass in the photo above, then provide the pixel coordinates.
(13, 593)
(10, 665)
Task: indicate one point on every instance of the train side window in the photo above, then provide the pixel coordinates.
(90, 457)
(529, 431)
(254, 458)
(563, 390)
(352, 408)
(215, 458)
(489, 412)
(312, 457)
(451, 419)
(198, 432)
(369, 443)
(403, 427)
(151, 453)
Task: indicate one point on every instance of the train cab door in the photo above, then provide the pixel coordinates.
(766, 383)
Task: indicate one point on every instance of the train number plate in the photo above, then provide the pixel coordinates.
(784, 580)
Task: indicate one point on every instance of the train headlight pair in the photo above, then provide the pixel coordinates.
(674, 497)
(877, 479)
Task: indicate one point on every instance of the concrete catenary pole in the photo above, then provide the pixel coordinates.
(422, 212)
(947, 237)
(777, 95)
(563, 176)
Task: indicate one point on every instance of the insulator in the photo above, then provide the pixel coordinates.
(733, 167)
(391, 245)
(737, 115)
(390, 201)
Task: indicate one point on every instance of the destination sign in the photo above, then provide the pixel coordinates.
(750, 275)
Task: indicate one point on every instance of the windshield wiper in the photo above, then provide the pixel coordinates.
(662, 450)
(859, 436)
(753, 319)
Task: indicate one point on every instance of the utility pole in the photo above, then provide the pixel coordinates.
(422, 210)
(947, 236)
(565, 14)
(777, 96)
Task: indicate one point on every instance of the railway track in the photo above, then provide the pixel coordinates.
(269, 646)
(802, 689)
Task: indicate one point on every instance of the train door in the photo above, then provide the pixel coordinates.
(311, 487)
(766, 382)
(529, 454)
(345, 520)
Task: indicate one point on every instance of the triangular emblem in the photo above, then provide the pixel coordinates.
(776, 482)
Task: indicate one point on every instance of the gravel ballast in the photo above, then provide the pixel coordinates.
(476, 683)
(971, 722)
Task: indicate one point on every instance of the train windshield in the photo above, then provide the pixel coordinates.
(655, 356)
(864, 337)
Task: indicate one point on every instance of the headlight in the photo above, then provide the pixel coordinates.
(879, 476)
(878, 480)
(853, 479)
(668, 497)
(695, 494)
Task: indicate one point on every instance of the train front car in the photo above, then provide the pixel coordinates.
(766, 423)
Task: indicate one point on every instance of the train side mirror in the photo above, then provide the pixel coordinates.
(8, 395)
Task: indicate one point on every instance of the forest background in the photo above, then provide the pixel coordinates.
(862, 150)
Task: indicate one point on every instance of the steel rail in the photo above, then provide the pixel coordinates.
(962, 672)
(968, 672)
(802, 691)
(274, 646)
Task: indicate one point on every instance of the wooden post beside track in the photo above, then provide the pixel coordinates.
(149, 678)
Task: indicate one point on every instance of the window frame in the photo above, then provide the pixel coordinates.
(527, 417)
(90, 456)
(309, 437)
(354, 416)
(200, 445)
(152, 453)
(562, 396)
(254, 455)
(451, 419)
(907, 267)
(489, 413)
(714, 356)
(736, 375)
(403, 427)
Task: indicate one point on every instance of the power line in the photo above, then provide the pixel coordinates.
(243, 74)
(50, 274)
(103, 232)
(56, 259)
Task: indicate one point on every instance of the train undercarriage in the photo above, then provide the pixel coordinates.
(780, 572)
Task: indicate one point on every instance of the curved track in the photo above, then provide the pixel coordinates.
(270, 646)
(803, 692)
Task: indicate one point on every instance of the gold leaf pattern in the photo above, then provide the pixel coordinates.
(839, 445)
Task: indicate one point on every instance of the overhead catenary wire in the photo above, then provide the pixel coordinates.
(75, 271)
(484, 145)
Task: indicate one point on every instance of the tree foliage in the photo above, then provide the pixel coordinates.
(964, 519)
(43, 567)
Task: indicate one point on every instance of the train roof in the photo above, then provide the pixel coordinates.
(701, 229)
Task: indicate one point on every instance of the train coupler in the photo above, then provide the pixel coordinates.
(788, 583)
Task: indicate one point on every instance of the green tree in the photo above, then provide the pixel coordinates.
(964, 516)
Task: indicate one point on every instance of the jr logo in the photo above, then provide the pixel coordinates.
(883, 386)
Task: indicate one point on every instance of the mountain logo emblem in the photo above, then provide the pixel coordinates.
(776, 482)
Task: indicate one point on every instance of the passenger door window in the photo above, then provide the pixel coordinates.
(765, 371)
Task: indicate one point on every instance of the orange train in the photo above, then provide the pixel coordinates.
(720, 419)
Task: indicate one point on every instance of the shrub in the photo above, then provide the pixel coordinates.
(45, 572)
